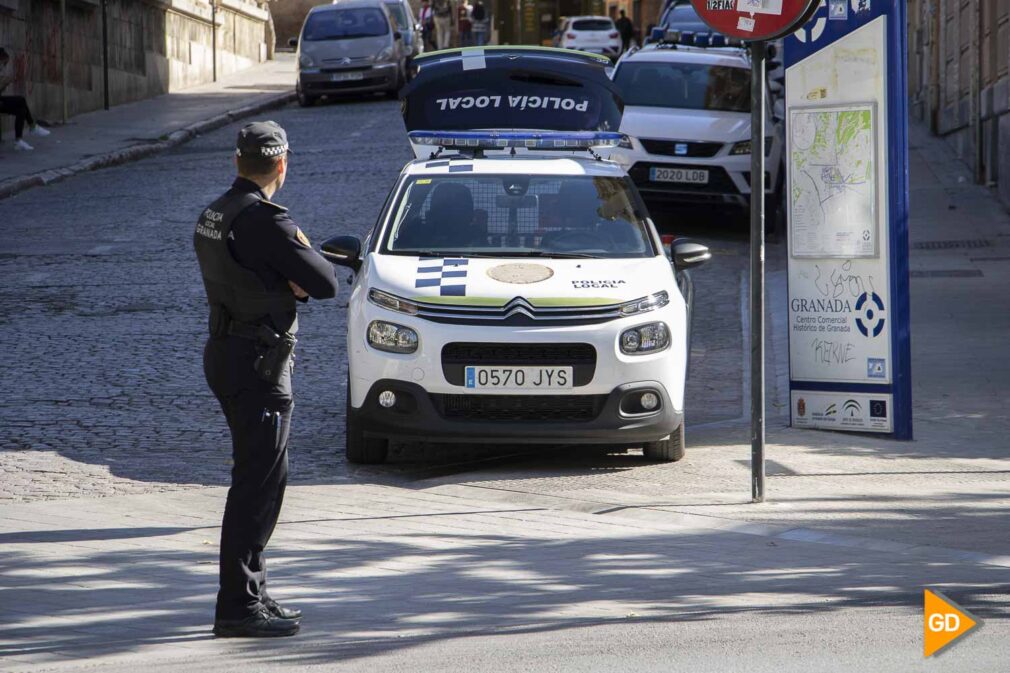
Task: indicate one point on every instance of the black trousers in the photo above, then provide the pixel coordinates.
(259, 417)
(17, 106)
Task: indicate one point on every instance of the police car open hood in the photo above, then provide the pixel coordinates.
(496, 281)
(511, 88)
(698, 125)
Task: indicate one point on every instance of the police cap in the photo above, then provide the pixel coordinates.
(262, 139)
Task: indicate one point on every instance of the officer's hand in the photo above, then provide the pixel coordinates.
(299, 292)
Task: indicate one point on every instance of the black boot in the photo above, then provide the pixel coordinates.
(260, 624)
(277, 611)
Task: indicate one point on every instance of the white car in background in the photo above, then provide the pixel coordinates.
(596, 34)
(687, 126)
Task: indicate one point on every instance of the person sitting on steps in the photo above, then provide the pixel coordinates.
(17, 106)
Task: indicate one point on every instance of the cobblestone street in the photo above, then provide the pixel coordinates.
(103, 317)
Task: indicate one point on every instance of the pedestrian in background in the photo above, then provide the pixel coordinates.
(427, 19)
(626, 29)
(256, 265)
(480, 23)
(17, 106)
(443, 23)
(464, 24)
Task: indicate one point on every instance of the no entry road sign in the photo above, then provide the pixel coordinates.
(755, 19)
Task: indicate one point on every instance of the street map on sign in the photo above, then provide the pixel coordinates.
(832, 182)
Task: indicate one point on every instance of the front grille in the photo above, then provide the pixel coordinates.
(534, 408)
(719, 181)
(458, 355)
(518, 313)
(688, 149)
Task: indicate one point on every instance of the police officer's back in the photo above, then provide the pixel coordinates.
(256, 265)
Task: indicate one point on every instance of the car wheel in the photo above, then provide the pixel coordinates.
(668, 450)
(305, 100)
(362, 450)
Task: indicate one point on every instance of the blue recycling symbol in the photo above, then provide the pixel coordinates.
(868, 318)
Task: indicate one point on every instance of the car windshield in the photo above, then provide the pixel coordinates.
(342, 24)
(683, 17)
(593, 24)
(399, 16)
(691, 86)
(519, 216)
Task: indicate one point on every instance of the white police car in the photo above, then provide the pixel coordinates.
(515, 296)
(687, 123)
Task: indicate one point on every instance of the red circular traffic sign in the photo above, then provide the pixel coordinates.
(755, 19)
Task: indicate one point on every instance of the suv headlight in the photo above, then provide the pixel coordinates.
(392, 338)
(645, 304)
(645, 339)
(392, 302)
(305, 60)
(743, 147)
(385, 55)
(625, 142)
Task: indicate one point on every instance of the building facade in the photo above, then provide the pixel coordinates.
(154, 47)
(958, 60)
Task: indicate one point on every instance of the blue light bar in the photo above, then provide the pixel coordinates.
(718, 40)
(702, 39)
(687, 37)
(657, 35)
(499, 140)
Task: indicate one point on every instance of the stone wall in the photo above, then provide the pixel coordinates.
(155, 47)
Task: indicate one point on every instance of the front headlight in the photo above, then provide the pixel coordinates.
(645, 304)
(625, 142)
(743, 147)
(385, 55)
(305, 61)
(392, 302)
(392, 338)
(645, 339)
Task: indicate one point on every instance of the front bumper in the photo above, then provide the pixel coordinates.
(422, 416)
(319, 81)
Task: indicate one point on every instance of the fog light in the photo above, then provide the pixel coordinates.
(387, 398)
(649, 401)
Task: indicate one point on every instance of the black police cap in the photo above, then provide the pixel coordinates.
(262, 139)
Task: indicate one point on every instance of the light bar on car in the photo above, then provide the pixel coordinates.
(498, 140)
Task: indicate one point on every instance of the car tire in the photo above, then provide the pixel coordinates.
(305, 100)
(362, 450)
(668, 450)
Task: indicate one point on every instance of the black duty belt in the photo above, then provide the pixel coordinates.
(245, 330)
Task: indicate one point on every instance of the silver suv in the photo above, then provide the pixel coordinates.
(353, 46)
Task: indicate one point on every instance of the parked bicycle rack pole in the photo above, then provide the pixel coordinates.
(757, 270)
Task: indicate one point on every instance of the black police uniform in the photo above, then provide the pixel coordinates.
(248, 249)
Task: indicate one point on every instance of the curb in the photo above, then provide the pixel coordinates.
(14, 186)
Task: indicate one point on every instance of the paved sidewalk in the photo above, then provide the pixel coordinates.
(128, 582)
(133, 130)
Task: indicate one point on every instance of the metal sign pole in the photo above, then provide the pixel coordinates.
(757, 271)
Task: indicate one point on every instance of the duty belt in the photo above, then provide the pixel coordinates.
(245, 330)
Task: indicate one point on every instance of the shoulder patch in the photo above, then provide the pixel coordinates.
(274, 205)
(302, 238)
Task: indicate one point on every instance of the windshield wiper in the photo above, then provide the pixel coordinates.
(558, 255)
(441, 254)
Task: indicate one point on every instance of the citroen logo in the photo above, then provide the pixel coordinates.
(345, 60)
(519, 306)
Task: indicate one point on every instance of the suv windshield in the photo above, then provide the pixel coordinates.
(691, 86)
(683, 17)
(399, 16)
(341, 24)
(518, 216)
(593, 24)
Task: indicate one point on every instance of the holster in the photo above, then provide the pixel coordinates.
(275, 360)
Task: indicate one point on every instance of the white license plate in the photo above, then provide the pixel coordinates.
(346, 76)
(694, 176)
(519, 378)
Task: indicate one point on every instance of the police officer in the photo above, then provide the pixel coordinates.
(256, 265)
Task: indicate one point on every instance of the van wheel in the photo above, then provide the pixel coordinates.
(363, 450)
(668, 450)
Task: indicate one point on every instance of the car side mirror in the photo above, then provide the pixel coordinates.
(343, 250)
(687, 253)
(397, 35)
(292, 41)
